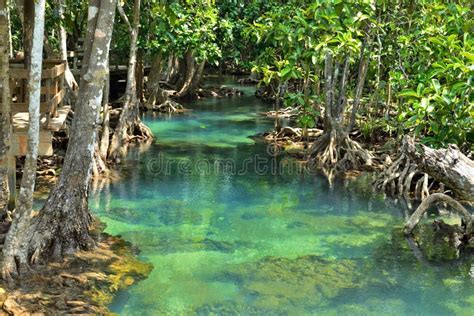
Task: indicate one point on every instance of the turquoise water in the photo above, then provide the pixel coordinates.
(232, 230)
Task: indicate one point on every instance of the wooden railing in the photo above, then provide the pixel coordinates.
(52, 87)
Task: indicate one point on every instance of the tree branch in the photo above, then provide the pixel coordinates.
(124, 17)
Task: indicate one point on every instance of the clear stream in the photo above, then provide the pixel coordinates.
(233, 230)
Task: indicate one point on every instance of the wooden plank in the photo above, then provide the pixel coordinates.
(23, 107)
(17, 73)
(20, 121)
(57, 98)
(58, 123)
(19, 144)
(51, 69)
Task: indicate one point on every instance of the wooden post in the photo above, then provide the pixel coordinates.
(47, 85)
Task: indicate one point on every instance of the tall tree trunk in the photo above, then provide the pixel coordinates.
(196, 79)
(192, 76)
(5, 110)
(10, 42)
(129, 123)
(62, 225)
(15, 241)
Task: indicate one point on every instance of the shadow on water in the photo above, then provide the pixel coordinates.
(230, 231)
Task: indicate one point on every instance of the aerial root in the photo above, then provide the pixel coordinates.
(169, 106)
(140, 131)
(99, 166)
(283, 113)
(342, 155)
(293, 134)
(403, 178)
(437, 198)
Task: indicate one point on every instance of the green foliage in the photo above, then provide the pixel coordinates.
(295, 47)
(436, 75)
(180, 26)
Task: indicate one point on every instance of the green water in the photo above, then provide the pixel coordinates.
(231, 230)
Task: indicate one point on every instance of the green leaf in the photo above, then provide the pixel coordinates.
(436, 84)
(409, 93)
(468, 55)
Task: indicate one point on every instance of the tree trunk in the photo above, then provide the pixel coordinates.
(15, 241)
(28, 18)
(189, 75)
(172, 72)
(153, 83)
(196, 79)
(5, 110)
(363, 65)
(129, 123)
(140, 75)
(71, 83)
(105, 135)
(62, 225)
(448, 166)
(335, 149)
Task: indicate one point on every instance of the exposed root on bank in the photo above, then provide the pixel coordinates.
(339, 153)
(159, 100)
(293, 134)
(169, 106)
(82, 283)
(403, 178)
(133, 131)
(99, 167)
(283, 113)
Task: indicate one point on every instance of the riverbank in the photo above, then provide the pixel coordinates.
(83, 283)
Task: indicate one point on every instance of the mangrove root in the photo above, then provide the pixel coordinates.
(436, 198)
(283, 113)
(340, 153)
(403, 178)
(293, 134)
(169, 106)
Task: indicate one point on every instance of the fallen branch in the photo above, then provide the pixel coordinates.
(449, 166)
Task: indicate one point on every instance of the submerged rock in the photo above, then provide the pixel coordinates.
(439, 241)
(279, 283)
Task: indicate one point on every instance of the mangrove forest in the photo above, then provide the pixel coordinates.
(236, 157)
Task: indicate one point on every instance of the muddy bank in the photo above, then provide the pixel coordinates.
(83, 283)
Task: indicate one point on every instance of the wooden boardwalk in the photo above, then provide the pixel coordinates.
(53, 113)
